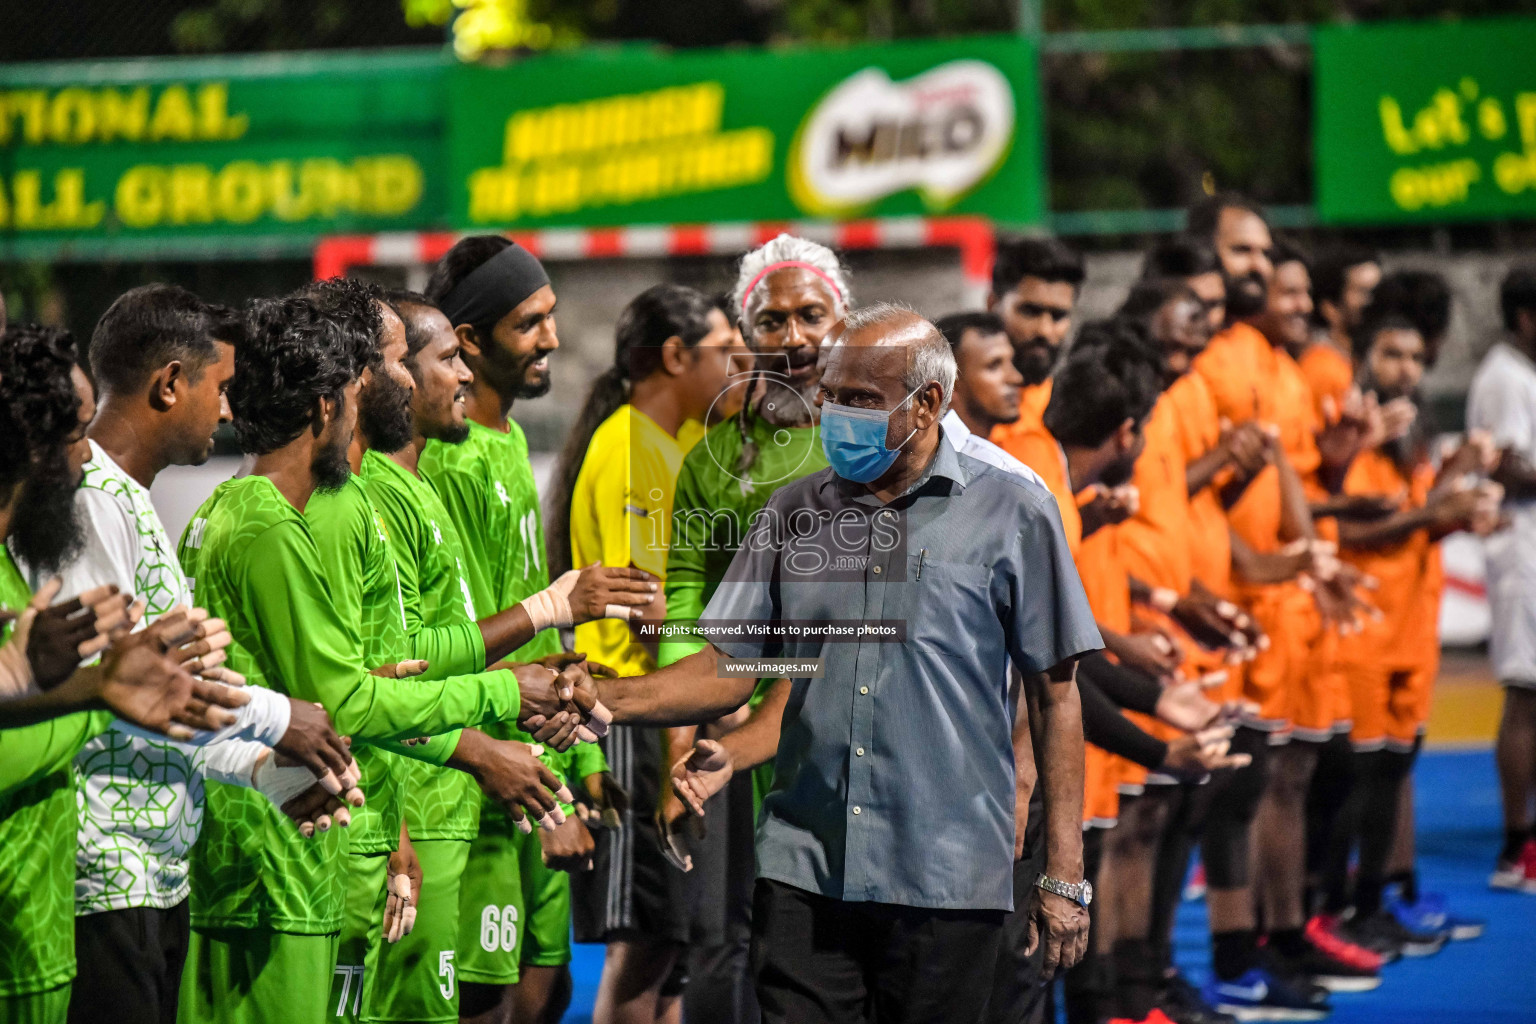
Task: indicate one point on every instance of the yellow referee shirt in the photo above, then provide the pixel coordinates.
(621, 514)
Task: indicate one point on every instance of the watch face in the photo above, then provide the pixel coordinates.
(1087, 892)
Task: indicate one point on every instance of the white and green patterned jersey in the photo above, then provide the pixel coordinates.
(365, 587)
(486, 485)
(252, 561)
(37, 834)
(141, 795)
(440, 628)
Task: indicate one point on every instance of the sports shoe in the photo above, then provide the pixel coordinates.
(1284, 968)
(1331, 973)
(1381, 929)
(1322, 932)
(1260, 995)
(1181, 1003)
(1431, 914)
(1194, 889)
(1155, 1016)
(1518, 875)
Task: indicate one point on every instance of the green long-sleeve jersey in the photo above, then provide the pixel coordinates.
(37, 833)
(439, 614)
(486, 485)
(253, 561)
(354, 552)
(712, 512)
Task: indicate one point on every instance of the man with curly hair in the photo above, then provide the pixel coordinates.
(162, 360)
(267, 906)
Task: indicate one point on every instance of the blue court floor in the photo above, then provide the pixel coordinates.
(1492, 979)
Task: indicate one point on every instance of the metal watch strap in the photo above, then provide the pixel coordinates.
(1066, 890)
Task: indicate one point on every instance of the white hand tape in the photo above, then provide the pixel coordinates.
(280, 783)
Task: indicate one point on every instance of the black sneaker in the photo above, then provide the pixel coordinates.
(1286, 969)
(1333, 974)
(1381, 929)
(1181, 1003)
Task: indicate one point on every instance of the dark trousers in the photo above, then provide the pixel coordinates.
(817, 959)
(719, 979)
(1019, 995)
(1083, 988)
(129, 964)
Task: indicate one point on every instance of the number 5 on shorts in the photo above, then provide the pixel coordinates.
(445, 970)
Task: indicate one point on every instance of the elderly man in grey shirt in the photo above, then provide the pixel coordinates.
(910, 575)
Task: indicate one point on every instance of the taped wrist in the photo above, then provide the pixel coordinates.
(550, 608)
(279, 783)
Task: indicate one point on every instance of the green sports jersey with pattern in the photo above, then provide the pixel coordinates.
(37, 834)
(252, 561)
(439, 803)
(487, 486)
(712, 512)
(365, 585)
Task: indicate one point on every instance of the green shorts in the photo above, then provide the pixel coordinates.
(253, 976)
(416, 979)
(50, 1006)
(362, 930)
(546, 909)
(491, 912)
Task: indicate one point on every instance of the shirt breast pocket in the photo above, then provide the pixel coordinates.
(946, 605)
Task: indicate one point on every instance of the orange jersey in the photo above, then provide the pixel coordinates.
(1199, 425)
(1032, 403)
(1251, 379)
(1104, 582)
(1408, 574)
(1330, 375)
(1155, 542)
(1038, 450)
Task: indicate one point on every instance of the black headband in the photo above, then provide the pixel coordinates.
(495, 287)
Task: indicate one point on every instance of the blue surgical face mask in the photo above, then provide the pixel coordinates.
(854, 440)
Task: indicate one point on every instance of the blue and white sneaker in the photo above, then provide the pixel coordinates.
(1431, 915)
(1260, 995)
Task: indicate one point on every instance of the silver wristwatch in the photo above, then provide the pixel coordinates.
(1081, 893)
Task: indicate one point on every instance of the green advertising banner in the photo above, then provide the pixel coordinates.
(636, 136)
(243, 154)
(1426, 122)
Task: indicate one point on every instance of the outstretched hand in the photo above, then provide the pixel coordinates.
(147, 677)
(701, 773)
(65, 634)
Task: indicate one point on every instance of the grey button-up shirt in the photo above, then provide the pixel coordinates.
(894, 779)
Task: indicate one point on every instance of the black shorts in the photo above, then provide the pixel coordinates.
(632, 891)
(130, 963)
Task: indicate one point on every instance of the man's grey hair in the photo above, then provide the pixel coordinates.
(785, 248)
(931, 359)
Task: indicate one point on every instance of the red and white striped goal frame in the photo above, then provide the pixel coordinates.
(974, 237)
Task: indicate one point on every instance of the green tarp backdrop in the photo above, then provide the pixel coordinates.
(254, 155)
(260, 156)
(634, 136)
(1425, 122)
(145, 156)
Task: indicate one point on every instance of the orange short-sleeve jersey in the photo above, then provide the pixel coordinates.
(1154, 543)
(1104, 579)
(1408, 574)
(1199, 425)
(1038, 450)
(1329, 373)
(1097, 557)
(1251, 379)
(1032, 403)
